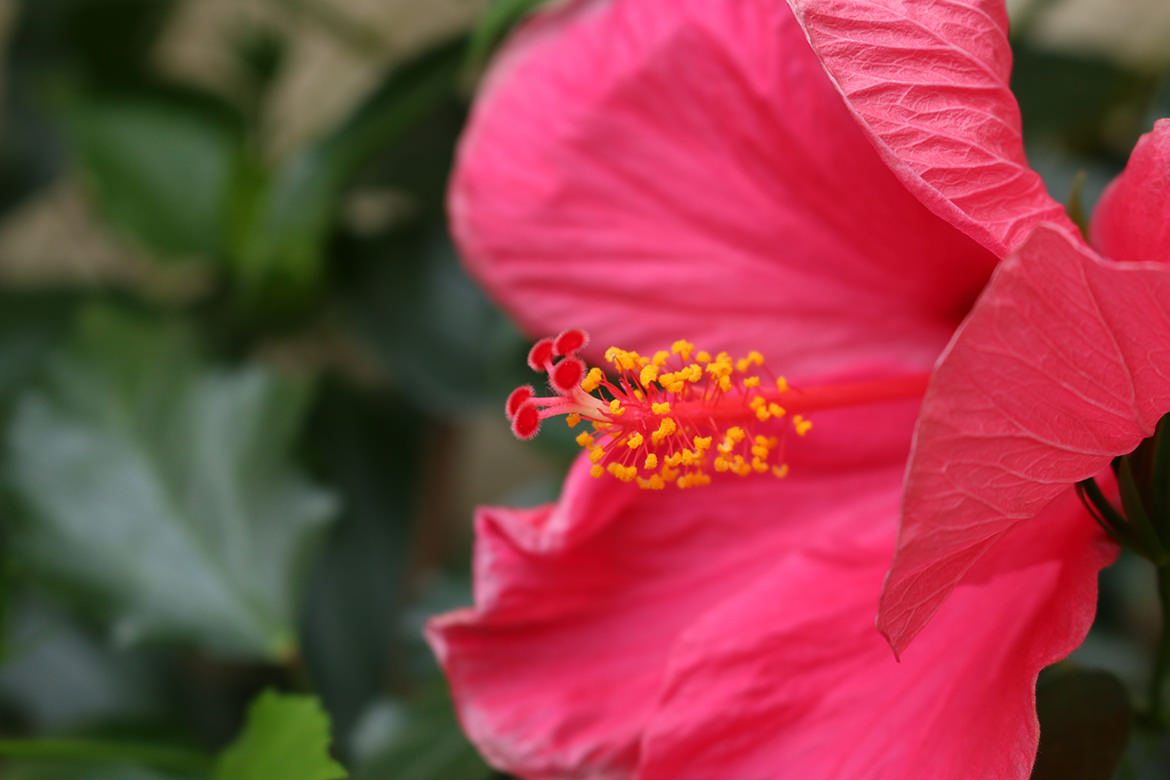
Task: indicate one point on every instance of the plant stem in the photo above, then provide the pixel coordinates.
(1162, 660)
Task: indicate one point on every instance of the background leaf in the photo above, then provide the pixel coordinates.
(1085, 719)
(164, 488)
(286, 737)
(160, 166)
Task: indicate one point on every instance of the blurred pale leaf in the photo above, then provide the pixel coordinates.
(420, 740)
(286, 737)
(160, 166)
(164, 489)
(59, 677)
(1084, 725)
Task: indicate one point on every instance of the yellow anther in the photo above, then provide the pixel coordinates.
(665, 428)
(760, 452)
(701, 478)
(780, 471)
(782, 384)
(693, 373)
(703, 357)
(625, 474)
(751, 381)
(662, 408)
(674, 460)
(651, 462)
(572, 420)
(592, 380)
(635, 441)
(660, 358)
(612, 353)
(669, 474)
(735, 434)
(777, 410)
(596, 454)
(639, 395)
(596, 472)
(654, 483)
(721, 465)
(600, 426)
(801, 425)
(757, 402)
(762, 414)
(648, 375)
(615, 408)
(702, 443)
(691, 458)
(584, 439)
(762, 440)
(683, 349)
(725, 384)
(759, 465)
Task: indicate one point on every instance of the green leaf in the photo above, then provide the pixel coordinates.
(163, 488)
(420, 740)
(366, 445)
(500, 17)
(282, 245)
(448, 347)
(32, 324)
(286, 737)
(1085, 719)
(160, 166)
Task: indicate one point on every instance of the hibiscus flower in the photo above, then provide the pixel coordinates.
(1063, 366)
(660, 170)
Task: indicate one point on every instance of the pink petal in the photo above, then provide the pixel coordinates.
(1063, 365)
(1131, 220)
(790, 680)
(929, 81)
(556, 671)
(656, 169)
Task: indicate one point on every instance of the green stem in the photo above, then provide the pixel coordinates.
(1162, 660)
(95, 751)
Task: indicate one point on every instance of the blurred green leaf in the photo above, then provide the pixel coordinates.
(499, 18)
(58, 41)
(367, 445)
(32, 324)
(1085, 719)
(445, 344)
(420, 740)
(281, 247)
(1077, 99)
(163, 488)
(160, 166)
(286, 737)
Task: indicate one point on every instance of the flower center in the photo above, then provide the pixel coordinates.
(673, 418)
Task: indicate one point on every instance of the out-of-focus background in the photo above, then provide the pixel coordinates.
(249, 399)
